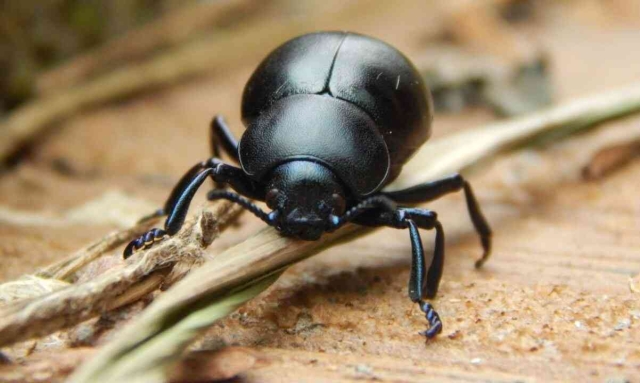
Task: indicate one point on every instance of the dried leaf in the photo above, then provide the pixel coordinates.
(611, 158)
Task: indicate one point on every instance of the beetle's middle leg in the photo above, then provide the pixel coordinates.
(430, 191)
(177, 205)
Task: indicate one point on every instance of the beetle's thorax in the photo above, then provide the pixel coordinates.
(305, 196)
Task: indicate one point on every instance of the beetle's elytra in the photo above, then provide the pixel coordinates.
(348, 100)
(330, 118)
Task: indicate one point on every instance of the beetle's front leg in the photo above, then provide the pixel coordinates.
(144, 241)
(422, 283)
(180, 187)
(177, 205)
(239, 181)
(175, 208)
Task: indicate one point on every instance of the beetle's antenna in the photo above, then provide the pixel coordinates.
(378, 201)
(242, 201)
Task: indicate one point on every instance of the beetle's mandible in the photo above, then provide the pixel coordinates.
(330, 118)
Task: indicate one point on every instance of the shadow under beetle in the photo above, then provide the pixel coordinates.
(331, 119)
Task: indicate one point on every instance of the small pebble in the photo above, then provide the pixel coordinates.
(623, 324)
(454, 335)
(364, 369)
(476, 361)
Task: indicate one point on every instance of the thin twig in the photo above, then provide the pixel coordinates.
(65, 268)
(267, 252)
(58, 275)
(28, 287)
(69, 306)
(263, 254)
(139, 290)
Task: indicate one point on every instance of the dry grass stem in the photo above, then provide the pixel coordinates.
(27, 287)
(459, 151)
(263, 254)
(66, 268)
(71, 305)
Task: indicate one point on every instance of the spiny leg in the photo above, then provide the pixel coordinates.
(430, 191)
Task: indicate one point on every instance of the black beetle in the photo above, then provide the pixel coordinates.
(331, 119)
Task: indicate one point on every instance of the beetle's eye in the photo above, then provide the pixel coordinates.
(338, 204)
(272, 198)
(325, 208)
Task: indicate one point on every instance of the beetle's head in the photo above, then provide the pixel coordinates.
(306, 198)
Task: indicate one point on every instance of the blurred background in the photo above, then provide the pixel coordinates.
(504, 57)
(38, 37)
(104, 104)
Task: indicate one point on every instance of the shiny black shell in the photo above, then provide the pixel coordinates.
(351, 102)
